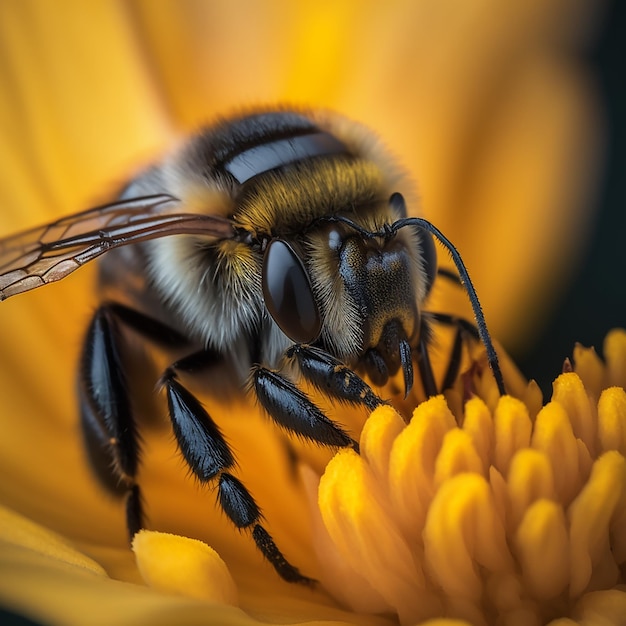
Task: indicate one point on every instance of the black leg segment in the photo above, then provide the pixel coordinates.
(267, 546)
(134, 511)
(292, 409)
(454, 363)
(207, 453)
(332, 377)
(198, 436)
(147, 327)
(465, 331)
(425, 368)
(237, 502)
(109, 426)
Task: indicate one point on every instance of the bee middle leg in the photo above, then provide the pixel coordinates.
(424, 365)
(207, 454)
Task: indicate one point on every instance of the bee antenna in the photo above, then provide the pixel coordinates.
(481, 324)
(386, 232)
(367, 234)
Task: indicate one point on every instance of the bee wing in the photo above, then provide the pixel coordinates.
(48, 253)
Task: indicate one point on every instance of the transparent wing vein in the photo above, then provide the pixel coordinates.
(49, 253)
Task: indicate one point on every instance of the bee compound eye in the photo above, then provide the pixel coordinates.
(288, 294)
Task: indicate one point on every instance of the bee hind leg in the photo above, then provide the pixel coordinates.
(109, 426)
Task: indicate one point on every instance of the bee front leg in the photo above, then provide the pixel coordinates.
(294, 411)
(332, 377)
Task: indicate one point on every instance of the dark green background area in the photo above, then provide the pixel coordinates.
(596, 298)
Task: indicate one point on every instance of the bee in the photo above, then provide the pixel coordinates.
(276, 244)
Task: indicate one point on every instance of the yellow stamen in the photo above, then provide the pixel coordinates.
(501, 519)
(611, 423)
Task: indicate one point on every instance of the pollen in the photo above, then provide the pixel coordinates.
(508, 516)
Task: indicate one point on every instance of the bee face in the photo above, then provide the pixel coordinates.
(273, 241)
(370, 291)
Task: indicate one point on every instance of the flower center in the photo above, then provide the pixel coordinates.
(502, 518)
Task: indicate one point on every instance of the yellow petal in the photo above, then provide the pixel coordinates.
(20, 531)
(615, 356)
(533, 399)
(457, 455)
(499, 492)
(183, 566)
(45, 579)
(478, 423)
(445, 622)
(604, 608)
(590, 369)
(377, 437)
(337, 575)
(463, 532)
(363, 529)
(569, 391)
(413, 458)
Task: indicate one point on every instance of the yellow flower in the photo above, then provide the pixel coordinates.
(485, 104)
(491, 516)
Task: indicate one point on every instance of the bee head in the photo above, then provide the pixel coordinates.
(356, 292)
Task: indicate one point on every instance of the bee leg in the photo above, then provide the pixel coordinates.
(454, 363)
(425, 368)
(468, 328)
(465, 331)
(294, 411)
(109, 426)
(206, 452)
(153, 330)
(450, 275)
(332, 377)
